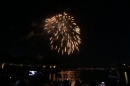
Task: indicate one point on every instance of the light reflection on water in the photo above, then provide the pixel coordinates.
(69, 75)
(63, 75)
(86, 76)
(74, 75)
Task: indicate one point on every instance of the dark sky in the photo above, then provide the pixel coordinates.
(105, 28)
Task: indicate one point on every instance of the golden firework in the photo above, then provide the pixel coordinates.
(64, 33)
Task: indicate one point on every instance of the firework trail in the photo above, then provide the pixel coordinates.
(64, 33)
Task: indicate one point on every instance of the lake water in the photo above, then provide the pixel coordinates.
(86, 76)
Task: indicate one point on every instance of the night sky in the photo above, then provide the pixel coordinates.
(105, 30)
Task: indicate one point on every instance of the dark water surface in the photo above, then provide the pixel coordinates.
(87, 76)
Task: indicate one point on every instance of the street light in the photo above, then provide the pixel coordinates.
(50, 66)
(3, 65)
(54, 66)
(44, 66)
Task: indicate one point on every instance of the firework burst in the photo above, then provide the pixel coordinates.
(64, 33)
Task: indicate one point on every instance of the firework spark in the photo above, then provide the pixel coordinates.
(64, 33)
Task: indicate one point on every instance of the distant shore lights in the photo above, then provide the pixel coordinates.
(3, 65)
(126, 77)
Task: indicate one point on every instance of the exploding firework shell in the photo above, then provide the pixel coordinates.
(64, 33)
